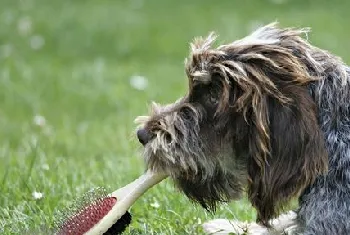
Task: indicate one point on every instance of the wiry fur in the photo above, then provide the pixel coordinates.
(269, 113)
(178, 149)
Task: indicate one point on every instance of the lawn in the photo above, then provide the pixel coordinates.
(68, 100)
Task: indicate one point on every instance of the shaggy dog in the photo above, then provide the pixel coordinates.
(268, 115)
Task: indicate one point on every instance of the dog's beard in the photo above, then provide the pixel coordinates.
(220, 187)
(204, 170)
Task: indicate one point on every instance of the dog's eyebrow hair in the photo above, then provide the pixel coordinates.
(201, 76)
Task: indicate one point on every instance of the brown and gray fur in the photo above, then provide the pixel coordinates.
(267, 114)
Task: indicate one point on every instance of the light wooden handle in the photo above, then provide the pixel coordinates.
(126, 197)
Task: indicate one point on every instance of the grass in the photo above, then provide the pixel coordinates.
(70, 62)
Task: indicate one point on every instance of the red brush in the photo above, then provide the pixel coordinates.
(106, 214)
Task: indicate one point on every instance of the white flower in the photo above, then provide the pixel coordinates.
(37, 195)
(45, 167)
(24, 26)
(39, 120)
(37, 42)
(155, 204)
(138, 82)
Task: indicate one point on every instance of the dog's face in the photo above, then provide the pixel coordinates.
(247, 122)
(191, 142)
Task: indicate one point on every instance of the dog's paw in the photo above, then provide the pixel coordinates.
(285, 224)
(226, 227)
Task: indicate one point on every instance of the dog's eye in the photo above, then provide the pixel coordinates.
(213, 97)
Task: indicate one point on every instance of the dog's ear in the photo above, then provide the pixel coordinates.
(294, 148)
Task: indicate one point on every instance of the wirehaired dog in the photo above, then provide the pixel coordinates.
(268, 115)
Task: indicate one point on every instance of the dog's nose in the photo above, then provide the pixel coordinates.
(144, 136)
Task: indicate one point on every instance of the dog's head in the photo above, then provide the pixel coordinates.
(248, 121)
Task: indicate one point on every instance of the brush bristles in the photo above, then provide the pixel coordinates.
(86, 212)
(88, 217)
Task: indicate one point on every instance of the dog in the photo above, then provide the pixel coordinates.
(267, 115)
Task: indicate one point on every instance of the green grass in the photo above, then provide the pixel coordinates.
(78, 79)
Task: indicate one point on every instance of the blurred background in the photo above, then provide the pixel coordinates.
(75, 73)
